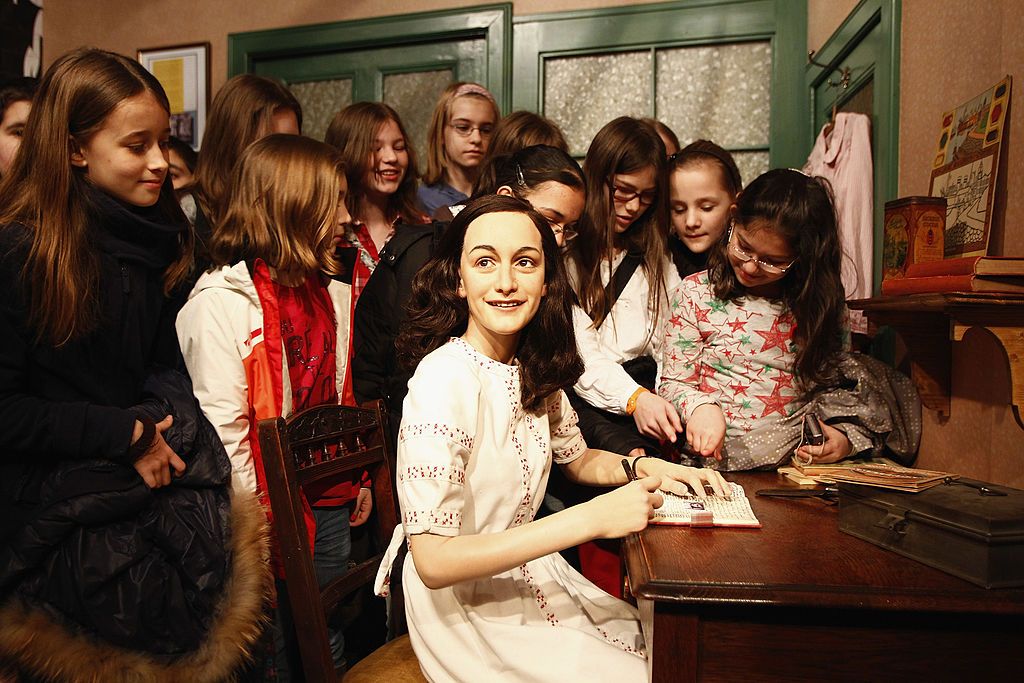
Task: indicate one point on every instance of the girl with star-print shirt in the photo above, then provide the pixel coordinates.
(750, 337)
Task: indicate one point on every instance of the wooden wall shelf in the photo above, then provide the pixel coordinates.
(928, 323)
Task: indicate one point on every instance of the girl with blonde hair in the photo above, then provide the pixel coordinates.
(457, 141)
(265, 333)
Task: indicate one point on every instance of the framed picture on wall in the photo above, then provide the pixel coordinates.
(184, 72)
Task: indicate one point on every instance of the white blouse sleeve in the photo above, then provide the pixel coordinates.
(434, 445)
(604, 383)
(567, 442)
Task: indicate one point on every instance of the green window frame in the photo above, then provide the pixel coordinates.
(492, 23)
(678, 24)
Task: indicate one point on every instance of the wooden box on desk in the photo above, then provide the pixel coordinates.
(953, 527)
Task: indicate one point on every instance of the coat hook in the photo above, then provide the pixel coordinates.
(844, 72)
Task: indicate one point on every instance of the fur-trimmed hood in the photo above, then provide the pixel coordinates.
(42, 647)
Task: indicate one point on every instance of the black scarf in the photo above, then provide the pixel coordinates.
(145, 235)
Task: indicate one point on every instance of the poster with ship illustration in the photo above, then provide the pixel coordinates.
(965, 167)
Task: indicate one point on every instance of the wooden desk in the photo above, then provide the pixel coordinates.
(800, 601)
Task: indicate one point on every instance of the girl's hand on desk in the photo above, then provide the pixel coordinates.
(676, 478)
(836, 447)
(654, 416)
(624, 510)
(705, 430)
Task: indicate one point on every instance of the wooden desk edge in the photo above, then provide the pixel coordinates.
(644, 587)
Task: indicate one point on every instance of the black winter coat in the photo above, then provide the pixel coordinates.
(139, 568)
(380, 313)
(81, 534)
(72, 402)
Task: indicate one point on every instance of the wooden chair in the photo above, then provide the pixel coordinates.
(329, 442)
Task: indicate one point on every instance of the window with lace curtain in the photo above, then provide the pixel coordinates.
(730, 72)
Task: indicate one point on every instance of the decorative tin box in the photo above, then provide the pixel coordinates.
(914, 233)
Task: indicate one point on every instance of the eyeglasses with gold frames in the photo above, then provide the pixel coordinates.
(770, 268)
(464, 129)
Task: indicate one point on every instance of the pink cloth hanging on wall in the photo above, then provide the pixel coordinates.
(843, 156)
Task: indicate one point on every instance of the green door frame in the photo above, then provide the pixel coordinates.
(490, 22)
(868, 42)
(674, 24)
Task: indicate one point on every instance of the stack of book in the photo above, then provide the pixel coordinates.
(968, 274)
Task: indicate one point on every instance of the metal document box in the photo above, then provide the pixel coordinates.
(953, 527)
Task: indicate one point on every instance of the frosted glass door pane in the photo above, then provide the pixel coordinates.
(581, 94)
(751, 164)
(720, 92)
(413, 95)
(320, 101)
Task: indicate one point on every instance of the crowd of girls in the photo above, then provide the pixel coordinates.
(597, 318)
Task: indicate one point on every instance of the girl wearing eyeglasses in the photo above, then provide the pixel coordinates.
(460, 131)
(765, 324)
(623, 235)
(622, 275)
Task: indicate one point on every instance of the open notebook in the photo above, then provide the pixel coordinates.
(708, 511)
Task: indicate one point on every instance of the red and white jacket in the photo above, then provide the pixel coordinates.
(230, 336)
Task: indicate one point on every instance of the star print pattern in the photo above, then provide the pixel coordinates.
(777, 336)
(738, 354)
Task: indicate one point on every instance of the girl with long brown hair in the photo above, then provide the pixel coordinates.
(457, 141)
(622, 275)
(381, 169)
(92, 240)
(245, 109)
(272, 314)
(546, 177)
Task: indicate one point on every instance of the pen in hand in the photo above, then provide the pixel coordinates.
(629, 471)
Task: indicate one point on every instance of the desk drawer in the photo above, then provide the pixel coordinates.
(950, 527)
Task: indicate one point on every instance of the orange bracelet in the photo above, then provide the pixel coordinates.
(631, 403)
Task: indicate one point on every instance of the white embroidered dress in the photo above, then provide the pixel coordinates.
(472, 461)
